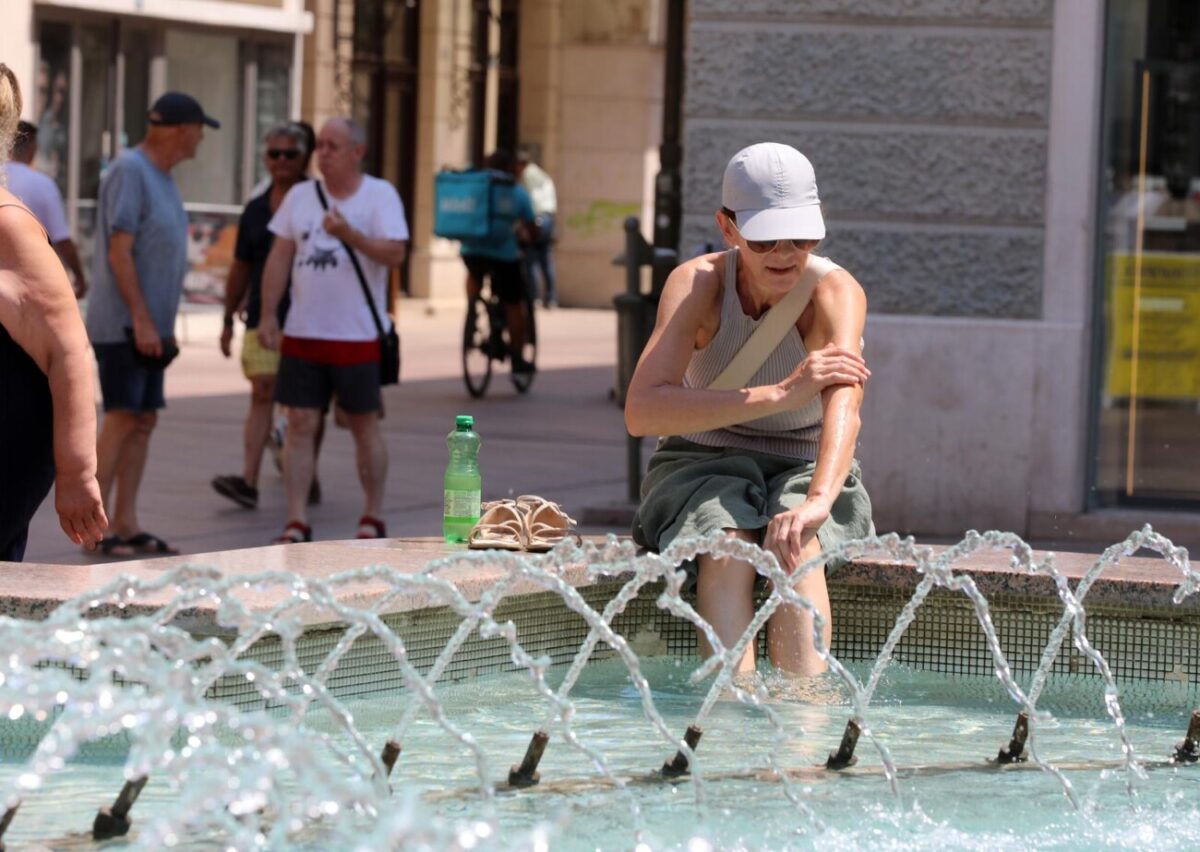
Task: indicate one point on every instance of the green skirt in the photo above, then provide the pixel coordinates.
(692, 490)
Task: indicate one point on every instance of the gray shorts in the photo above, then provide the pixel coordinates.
(692, 490)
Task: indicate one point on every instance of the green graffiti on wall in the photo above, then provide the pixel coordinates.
(602, 216)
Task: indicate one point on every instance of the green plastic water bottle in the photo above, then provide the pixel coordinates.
(460, 509)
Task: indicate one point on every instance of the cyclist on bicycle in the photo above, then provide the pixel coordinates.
(498, 257)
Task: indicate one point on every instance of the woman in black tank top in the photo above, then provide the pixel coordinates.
(48, 410)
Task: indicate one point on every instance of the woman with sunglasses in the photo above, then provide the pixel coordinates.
(287, 151)
(771, 462)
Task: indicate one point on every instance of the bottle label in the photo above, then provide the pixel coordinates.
(461, 504)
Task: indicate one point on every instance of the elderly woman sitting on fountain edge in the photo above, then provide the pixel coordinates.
(771, 460)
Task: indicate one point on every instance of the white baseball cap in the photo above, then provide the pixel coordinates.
(773, 190)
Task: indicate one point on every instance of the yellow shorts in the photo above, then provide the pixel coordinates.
(257, 361)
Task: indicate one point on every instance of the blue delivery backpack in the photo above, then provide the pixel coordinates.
(467, 203)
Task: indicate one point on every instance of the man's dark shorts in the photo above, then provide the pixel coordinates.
(125, 384)
(507, 276)
(306, 384)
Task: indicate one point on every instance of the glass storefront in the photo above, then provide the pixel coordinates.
(53, 104)
(100, 74)
(1146, 428)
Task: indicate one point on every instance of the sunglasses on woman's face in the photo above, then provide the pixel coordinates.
(286, 153)
(768, 246)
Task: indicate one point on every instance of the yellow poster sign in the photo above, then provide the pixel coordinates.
(1167, 351)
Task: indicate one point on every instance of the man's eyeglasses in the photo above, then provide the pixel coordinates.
(286, 153)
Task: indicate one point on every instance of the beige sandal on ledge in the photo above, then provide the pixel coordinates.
(546, 524)
(500, 527)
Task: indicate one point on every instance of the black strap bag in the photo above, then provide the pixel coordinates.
(389, 341)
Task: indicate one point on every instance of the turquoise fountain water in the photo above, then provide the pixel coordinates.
(318, 770)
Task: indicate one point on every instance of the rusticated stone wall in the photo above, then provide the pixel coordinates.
(926, 120)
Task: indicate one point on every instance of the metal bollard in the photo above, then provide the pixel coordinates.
(635, 321)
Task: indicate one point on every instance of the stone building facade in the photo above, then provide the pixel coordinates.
(957, 145)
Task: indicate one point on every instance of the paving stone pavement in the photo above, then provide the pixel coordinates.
(564, 440)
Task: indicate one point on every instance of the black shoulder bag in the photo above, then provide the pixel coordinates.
(389, 341)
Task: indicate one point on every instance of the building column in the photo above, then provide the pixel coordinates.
(17, 48)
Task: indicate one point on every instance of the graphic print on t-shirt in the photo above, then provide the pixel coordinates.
(322, 250)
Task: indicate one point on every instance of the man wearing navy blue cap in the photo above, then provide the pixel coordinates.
(137, 273)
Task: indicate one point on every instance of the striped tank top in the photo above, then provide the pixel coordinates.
(792, 434)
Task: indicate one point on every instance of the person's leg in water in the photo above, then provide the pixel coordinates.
(725, 599)
(790, 630)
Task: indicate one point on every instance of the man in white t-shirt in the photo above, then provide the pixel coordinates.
(40, 194)
(329, 343)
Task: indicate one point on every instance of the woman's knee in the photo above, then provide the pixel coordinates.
(727, 570)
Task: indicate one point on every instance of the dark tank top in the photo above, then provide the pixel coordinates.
(26, 442)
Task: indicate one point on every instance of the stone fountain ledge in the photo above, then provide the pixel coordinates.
(32, 591)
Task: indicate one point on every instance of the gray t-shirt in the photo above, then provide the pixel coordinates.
(140, 199)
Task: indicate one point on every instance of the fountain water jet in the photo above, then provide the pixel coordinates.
(149, 678)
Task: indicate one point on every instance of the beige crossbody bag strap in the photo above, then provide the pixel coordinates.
(774, 327)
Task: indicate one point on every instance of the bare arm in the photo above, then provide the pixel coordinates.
(840, 317)
(235, 293)
(70, 258)
(120, 260)
(379, 249)
(38, 309)
(386, 252)
(274, 282)
(657, 403)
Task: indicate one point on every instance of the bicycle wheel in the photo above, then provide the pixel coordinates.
(522, 381)
(476, 350)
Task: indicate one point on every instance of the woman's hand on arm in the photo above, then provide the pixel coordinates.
(840, 315)
(38, 309)
(656, 402)
(829, 365)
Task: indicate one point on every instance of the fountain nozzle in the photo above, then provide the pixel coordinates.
(391, 751)
(5, 820)
(1188, 751)
(526, 775)
(678, 765)
(844, 756)
(1015, 752)
(115, 821)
